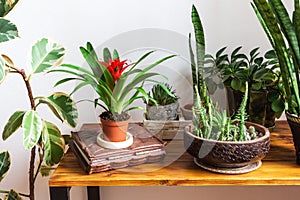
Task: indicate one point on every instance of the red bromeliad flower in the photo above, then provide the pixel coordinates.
(115, 67)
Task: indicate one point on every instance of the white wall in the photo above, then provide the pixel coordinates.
(72, 22)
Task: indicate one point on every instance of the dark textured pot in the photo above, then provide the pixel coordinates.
(227, 154)
(294, 123)
(187, 112)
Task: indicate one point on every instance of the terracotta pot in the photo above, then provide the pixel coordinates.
(226, 154)
(294, 123)
(114, 131)
(187, 111)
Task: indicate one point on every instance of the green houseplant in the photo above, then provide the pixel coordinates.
(165, 106)
(39, 135)
(215, 139)
(265, 96)
(117, 84)
(283, 33)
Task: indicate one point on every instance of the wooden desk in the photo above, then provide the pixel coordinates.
(278, 168)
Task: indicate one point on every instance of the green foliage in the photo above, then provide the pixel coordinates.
(32, 125)
(112, 96)
(4, 164)
(6, 6)
(161, 95)
(12, 195)
(8, 30)
(14, 122)
(283, 34)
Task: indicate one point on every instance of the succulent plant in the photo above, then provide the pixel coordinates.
(161, 96)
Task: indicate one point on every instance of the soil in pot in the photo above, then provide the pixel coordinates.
(114, 126)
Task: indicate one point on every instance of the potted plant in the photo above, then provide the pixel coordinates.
(161, 105)
(283, 34)
(216, 141)
(40, 136)
(117, 84)
(265, 96)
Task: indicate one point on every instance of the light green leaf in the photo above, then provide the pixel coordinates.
(4, 164)
(8, 30)
(63, 106)
(12, 195)
(2, 69)
(46, 54)
(33, 126)
(54, 144)
(14, 122)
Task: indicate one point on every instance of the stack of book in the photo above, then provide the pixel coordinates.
(146, 148)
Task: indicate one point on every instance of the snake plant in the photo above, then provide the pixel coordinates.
(283, 33)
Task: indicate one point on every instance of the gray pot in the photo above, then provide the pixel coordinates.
(163, 113)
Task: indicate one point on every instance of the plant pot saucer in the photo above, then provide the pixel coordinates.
(222, 170)
(114, 145)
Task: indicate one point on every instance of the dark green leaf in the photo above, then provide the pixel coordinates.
(8, 30)
(106, 55)
(4, 164)
(14, 122)
(12, 195)
(115, 54)
(236, 84)
(6, 6)
(278, 105)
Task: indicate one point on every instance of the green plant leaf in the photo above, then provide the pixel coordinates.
(46, 54)
(6, 6)
(14, 122)
(278, 105)
(63, 107)
(2, 69)
(12, 195)
(8, 30)
(106, 55)
(54, 144)
(236, 84)
(4, 164)
(32, 125)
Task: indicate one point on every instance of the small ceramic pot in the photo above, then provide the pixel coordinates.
(114, 131)
(227, 154)
(162, 113)
(187, 112)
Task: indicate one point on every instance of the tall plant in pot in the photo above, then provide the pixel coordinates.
(117, 84)
(283, 33)
(216, 141)
(40, 136)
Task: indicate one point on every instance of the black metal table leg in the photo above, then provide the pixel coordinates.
(93, 192)
(60, 193)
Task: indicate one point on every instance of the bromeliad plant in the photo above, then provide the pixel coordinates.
(39, 135)
(113, 80)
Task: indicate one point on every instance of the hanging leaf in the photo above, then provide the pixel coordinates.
(6, 6)
(46, 54)
(45, 170)
(12, 195)
(32, 125)
(54, 144)
(63, 107)
(2, 69)
(14, 122)
(8, 30)
(4, 164)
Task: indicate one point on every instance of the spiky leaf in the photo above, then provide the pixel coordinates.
(4, 164)
(14, 122)
(33, 126)
(45, 54)
(8, 30)
(54, 144)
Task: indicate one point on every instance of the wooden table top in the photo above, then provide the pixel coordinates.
(178, 169)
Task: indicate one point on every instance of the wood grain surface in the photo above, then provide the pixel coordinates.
(178, 168)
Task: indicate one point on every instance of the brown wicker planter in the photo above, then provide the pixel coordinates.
(223, 154)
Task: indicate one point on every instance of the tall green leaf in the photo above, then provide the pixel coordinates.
(14, 122)
(8, 30)
(2, 69)
(54, 144)
(63, 106)
(6, 6)
(4, 164)
(33, 126)
(106, 55)
(46, 54)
